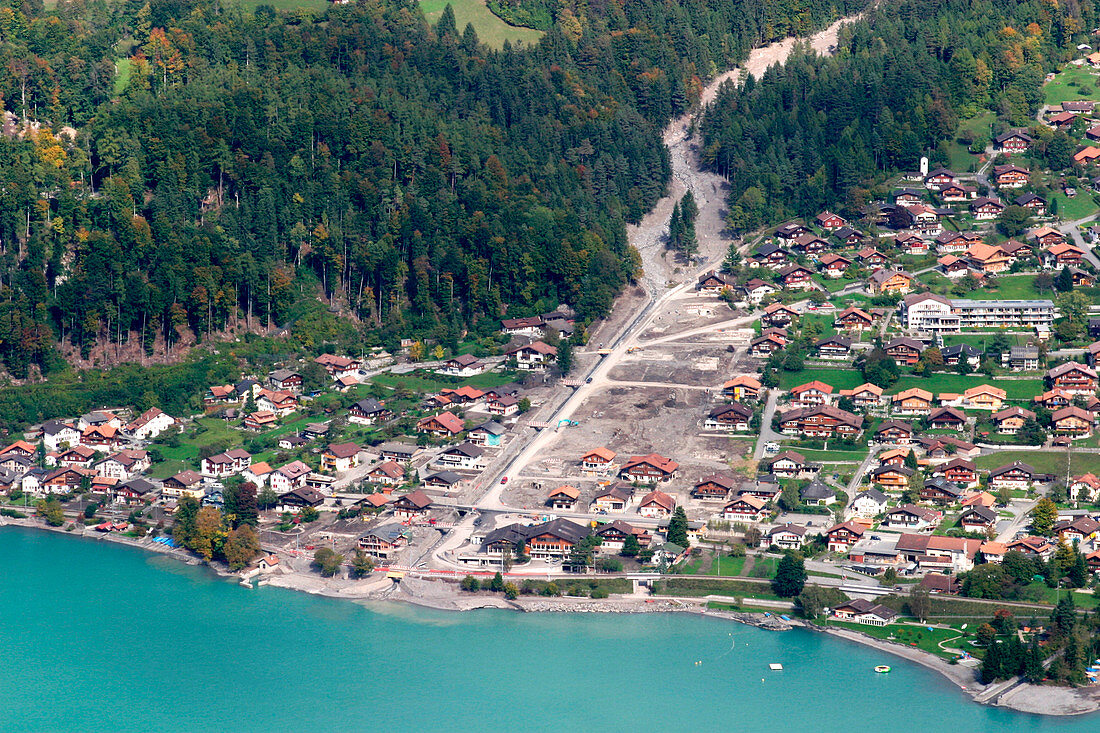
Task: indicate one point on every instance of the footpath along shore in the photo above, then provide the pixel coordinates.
(445, 595)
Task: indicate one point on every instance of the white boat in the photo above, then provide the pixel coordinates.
(775, 666)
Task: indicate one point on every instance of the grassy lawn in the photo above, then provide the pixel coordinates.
(206, 431)
(823, 322)
(840, 456)
(1011, 287)
(1074, 208)
(918, 636)
(961, 158)
(843, 377)
(1017, 389)
(423, 383)
(699, 587)
(122, 76)
(490, 29)
(1068, 85)
(1047, 461)
(981, 340)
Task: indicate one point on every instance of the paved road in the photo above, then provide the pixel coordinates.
(766, 433)
(1073, 230)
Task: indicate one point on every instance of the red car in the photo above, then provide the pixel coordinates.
(504, 479)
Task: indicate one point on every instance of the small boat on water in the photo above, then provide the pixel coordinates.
(776, 667)
(882, 669)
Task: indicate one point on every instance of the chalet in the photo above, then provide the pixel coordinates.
(340, 457)
(385, 540)
(934, 552)
(1021, 358)
(649, 469)
(979, 498)
(790, 464)
(299, 498)
(80, 456)
(939, 178)
(1062, 255)
(891, 476)
(868, 504)
(1016, 249)
(742, 388)
(980, 397)
(978, 518)
(770, 255)
(744, 508)
(985, 208)
(911, 244)
(912, 517)
(955, 243)
(447, 481)
(1077, 531)
(817, 493)
(811, 393)
(1085, 488)
(1010, 176)
(848, 236)
(443, 425)
(908, 196)
(912, 401)
(462, 457)
(527, 326)
(387, 473)
(656, 504)
(228, 463)
(1016, 475)
(988, 258)
(924, 219)
(1032, 546)
(563, 498)
(778, 314)
(953, 267)
(764, 487)
(756, 290)
(57, 435)
(729, 418)
(101, 437)
(1012, 141)
(829, 221)
(864, 396)
(1081, 278)
(503, 406)
(258, 473)
(1046, 236)
(487, 434)
(368, 412)
(184, 483)
(136, 491)
(535, 356)
(411, 505)
(956, 353)
(1073, 379)
(1054, 398)
(959, 471)
(822, 421)
(99, 418)
(339, 366)
(1010, 421)
(278, 402)
(291, 476)
(904, 350)
(597, 462)
(810, 245)
(715, 486)
(785, 537)
(864, 612)
(833, 347)
(1073, 421)
(890, 281)
(791, 231)
(841, 537)
(1079, 107)
(286, 380)
(1065, 119)
(554, 539)
(765, 345)
(854, 319)
(149, 424)
(895, 456)
(220, 395)
(796, 277)
(463, 365)
(715, 282)
(612, 498)
(894, 431)
(957, 192)
(871, 257)
(614, 534)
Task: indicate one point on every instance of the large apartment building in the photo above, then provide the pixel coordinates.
(934, 313)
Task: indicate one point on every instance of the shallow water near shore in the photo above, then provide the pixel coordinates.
(97, 636)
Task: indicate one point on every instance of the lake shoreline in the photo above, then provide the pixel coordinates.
(442, 595)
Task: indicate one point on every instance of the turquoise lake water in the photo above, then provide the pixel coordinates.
(95, 636)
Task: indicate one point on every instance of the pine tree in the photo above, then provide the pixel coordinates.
(678, 527)
(790, 576)
(1033, 663)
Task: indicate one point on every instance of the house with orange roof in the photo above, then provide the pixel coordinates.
(1062, 254)
(1072, 421)
(866, 395)
(742, 388)
(1087, 154)
(563, 498)
(657, 505)
(443, 425)
(261, 420)
(912, 401)
(649, 469)
(597, 461)
(890, 281)
(812, 393)
(1085, 488)
(854, 319)
(983, 397)
(989, 258)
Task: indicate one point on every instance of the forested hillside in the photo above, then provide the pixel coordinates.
(821, 131)
(238, 163)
